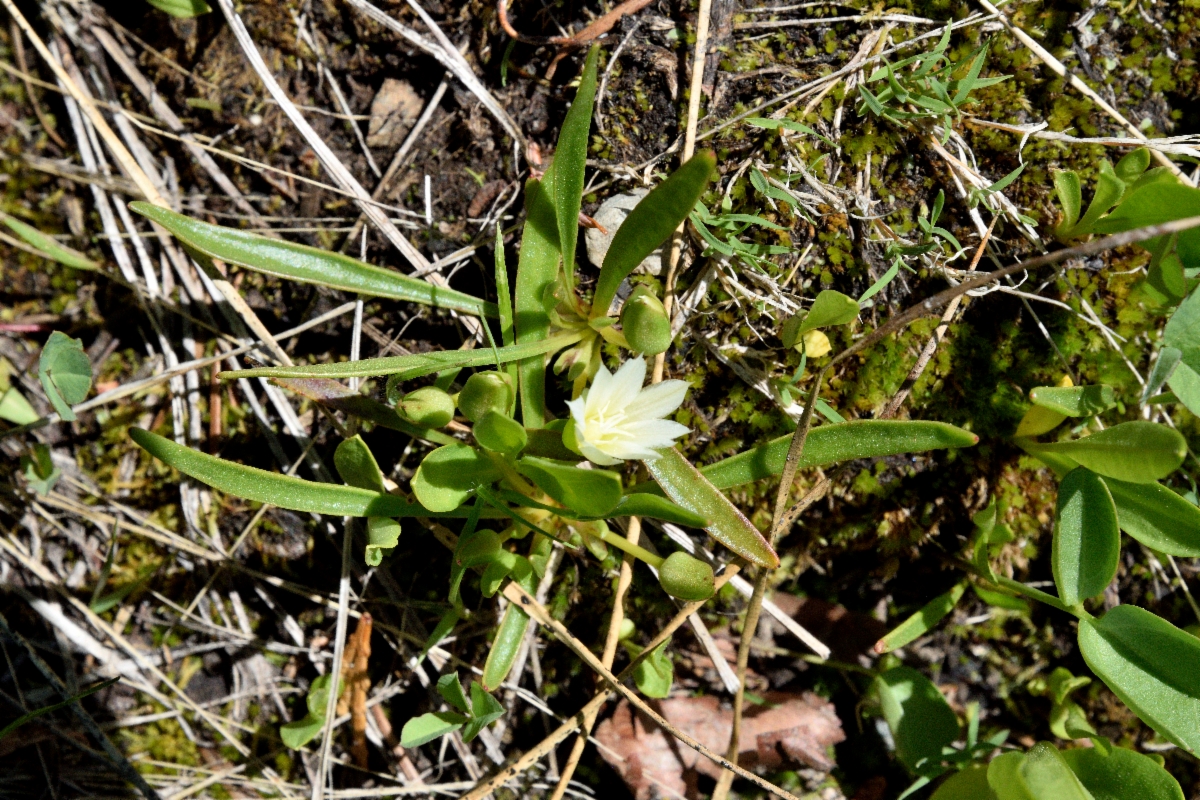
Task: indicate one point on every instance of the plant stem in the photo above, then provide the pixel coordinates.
(1040, 596)
(621, 543)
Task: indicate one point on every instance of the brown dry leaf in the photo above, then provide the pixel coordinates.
(787, 729)
(357, 683)
(393, 111)
(848, 633)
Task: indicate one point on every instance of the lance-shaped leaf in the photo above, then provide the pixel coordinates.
(184, 9)
(504, 647)
(536, 272)
(427, 727)
(687, 487)
(570, 158)
(60, 253)
(1138, 452)
(1121, 774)
(449, 475)
(285, 491)
(1151, 665)
(652, 220)
(65, 373)
(308, 264)
(1074, 401)
(591, 492)
(1087, 544)
(641, 504)
(410, 366)
(830, 444)
(921, 622)
(830, 308)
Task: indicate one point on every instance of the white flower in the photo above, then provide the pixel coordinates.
(617, 420)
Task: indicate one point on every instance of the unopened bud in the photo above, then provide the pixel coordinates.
(686, 577)
(645, 322)
(428, 407)
(484, 392)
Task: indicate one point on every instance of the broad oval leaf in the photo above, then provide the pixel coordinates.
(570, 158)
(299, 733)
(921, 622)
(921, 720)
(1074, 401)
(1138, 452)
(655, 673)
(969, 784)
(1070, 196)
(356, 465)
(1155, 202)
(1087, 543)
(1182, 331)
(410, 366)
(1046, 775)
(427, 727)
(830, 308)
(829, 444)
(687, 487)
(500, 434)
(1157, 517)
(285, 491)
(1151, 665)
(591, 492)
(650, 223)
(65, 373)
(1121, 775)
(448, 475)
(1004, 777)
(306, 264)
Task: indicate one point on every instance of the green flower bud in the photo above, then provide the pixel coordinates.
(428, 407)
(484, 392)
(685, 577)
(645, 322)
(500, 434)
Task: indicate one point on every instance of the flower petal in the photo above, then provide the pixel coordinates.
(626, 385)
(597, 456)
(655, 433)
(658, 400)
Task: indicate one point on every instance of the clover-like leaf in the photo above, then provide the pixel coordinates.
(65, 373)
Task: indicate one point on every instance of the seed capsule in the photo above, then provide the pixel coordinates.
(686, 577)
(484, 392)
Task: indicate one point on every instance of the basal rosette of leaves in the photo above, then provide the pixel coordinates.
(528, 477)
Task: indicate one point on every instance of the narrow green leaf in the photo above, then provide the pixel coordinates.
(1151, 665)
(450, 688)
(570, 159)
(48, 245)
(299, 733)
(412, 366)
(921, 622)
(32, 715)
(485, 710)
(687, 487)
(184, 9)
(1138, 452)
(921, 720)
(641, 504)
(829, 444)
(427, 727)
(101, 604)
(1087, 544)
(285, 491)
(306, 264)
(1074, 401)
(591, 492)
(1122, 774)
(65, 373)
(15, 408)
(448, 475)
(1164, 366)
(1001, 600)
(504, 647)
(1046, 775)
(786, 124)
(649, 224)
(537, 269)
(879, 285)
